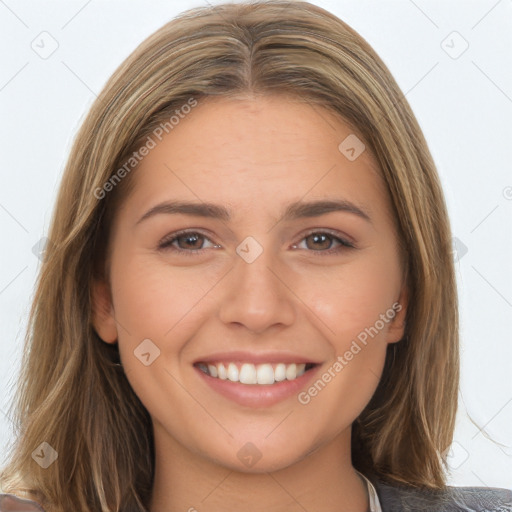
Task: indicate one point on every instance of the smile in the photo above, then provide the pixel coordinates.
(252, 374)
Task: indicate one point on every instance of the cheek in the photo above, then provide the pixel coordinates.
(164, 304)
(349, 306)
(151, 297)
(351, 299)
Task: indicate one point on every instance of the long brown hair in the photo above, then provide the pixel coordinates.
(72, 394)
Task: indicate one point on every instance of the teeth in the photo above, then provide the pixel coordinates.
(291, 371)
(222, 373)
(248, 373)
(280, 372)
(265, 374)
(232, 372)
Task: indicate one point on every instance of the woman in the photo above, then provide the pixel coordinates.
(249, 300)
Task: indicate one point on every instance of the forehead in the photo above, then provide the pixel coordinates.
(276, 148)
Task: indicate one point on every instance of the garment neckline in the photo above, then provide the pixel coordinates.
(373, 498)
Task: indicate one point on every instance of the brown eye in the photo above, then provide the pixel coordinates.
(190, 241)
(319, 241)
(323, 243)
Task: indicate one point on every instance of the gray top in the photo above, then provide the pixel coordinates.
(383, 497)
(404, 498)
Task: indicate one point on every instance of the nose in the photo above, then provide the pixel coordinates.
(258, 295)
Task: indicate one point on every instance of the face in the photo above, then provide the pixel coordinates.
(292, 277)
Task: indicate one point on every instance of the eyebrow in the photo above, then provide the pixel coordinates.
(295, 210)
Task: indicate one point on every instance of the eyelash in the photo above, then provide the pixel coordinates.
(165, 244)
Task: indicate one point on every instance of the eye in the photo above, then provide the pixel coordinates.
(190, 242)
(322, 242)
(193, 243)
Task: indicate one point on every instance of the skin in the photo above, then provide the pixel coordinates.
(253, 155)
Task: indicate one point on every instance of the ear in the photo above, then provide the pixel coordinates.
(396, 328)
(103, 311)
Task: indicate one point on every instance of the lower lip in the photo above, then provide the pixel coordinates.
(258, 395)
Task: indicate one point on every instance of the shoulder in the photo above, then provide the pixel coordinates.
(12, 503)
(405, 498)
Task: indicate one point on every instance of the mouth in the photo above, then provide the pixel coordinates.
(264, 374)
(256, 380)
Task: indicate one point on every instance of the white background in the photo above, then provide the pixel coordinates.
(463, 104)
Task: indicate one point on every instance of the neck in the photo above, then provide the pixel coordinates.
(323, 480)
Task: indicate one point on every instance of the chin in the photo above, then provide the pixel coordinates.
(260, 456)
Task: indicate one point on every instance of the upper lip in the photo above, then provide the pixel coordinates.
(256, 357)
